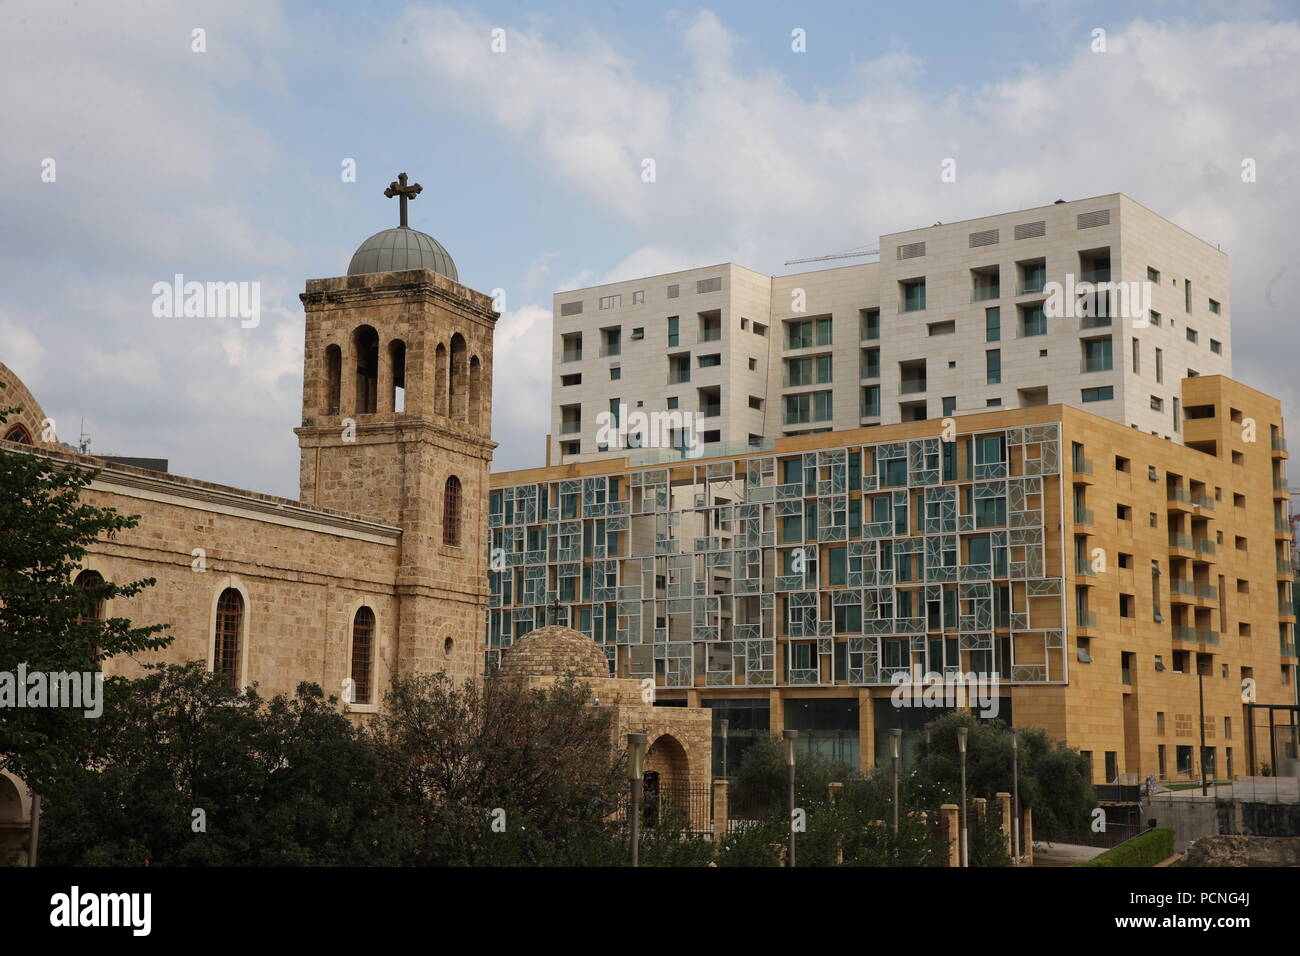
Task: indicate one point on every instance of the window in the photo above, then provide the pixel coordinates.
(993, 367)
(942, 328)
(638, 298)
(225, 644)
(708, 285)
(912, 295)
(611, 302)
(94, 609)
(871, 363)
(755, 402)
(1187, 295)
(871, 401)
(615, 373)
(1160, 366)
(570, 308)
(638, 334)
(1152, 275)
(363, 637)
(753, 365)
(567, 380)
(1216, 346)
(672, 330)
(993, 324)
(949, 405)
(710, 361)
(1102, 394)
(807, 407)
(870, 322)
(1191, 335)
(673, 291)
(451, 512)
(1097, 355)
(1157, 403)
(1137, 356)
(1153, 318)
(1214, 306)
(1033, 320)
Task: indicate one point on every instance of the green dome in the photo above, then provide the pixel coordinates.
(395, 250)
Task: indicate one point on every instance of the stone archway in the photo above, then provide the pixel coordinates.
(667, 757)
(15, 820)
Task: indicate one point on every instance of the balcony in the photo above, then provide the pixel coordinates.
(1083, 516)
(570, 427)
(710, 335)
(1282, 527)
(1207, 592)
(1288, 648)
(1187, 588)
(985, 293)
(1085, 618)
(1095, 275)
(1192, 635)
(1182, 541)
(1279, 444)
(1080, 465)
(1097, 365)
(1284, 566)
(1285, 608)
(571, 355)
(1203, 501)
(1179, 496)
(711, 411)
(1204, 546)
(1032, 286)
(676, 377)
(871, 409)
(1095, 322)
(614, 348)
(911, 386)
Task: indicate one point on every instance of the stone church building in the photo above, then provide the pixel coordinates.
(380, 567)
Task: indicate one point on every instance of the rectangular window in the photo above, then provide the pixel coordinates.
(1152, 275)
(1137, 356)
(1160, 366)
(949, 403)
(672, 330)
(1153, 318)
(871, 401)
(993, 367)
(1216, 346)
(1033, 321)
(1214, 306)
(1097, 355)
(673, 291)
(870, 320)
(912, 297)
(1103, 394)
(710, 361)
(993, 324)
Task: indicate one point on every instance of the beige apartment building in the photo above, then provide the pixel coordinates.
(1098, 574)
(954, 318)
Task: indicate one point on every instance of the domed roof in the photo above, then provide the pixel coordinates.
(555, 651)
(401, 248)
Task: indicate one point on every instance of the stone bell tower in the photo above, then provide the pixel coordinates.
(396, 428)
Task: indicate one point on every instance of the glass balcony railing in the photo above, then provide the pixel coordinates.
(1085, 618)
(911, 386)
(711, 411)
(1081, 465)
(1177, 586)
(570, 428)
(1205, 546)
(1180, 495)
(572, 355)
(1083, 516)
(1202, 500)
(676, 377)
(1103, 364)
(1279, 444)
(1183, 541)
(1095, 275)
(983, 293)
(1032, 286)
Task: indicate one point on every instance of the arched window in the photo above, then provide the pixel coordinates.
(94, 607)
(475, 416)
(397, 369)
(458, 392)
(365, 348)
(451, 512)
(19, 434)
(440, 380)
(333, 379)
(225, 644)
(363, 642)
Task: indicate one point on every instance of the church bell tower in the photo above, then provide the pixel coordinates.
(396, 428)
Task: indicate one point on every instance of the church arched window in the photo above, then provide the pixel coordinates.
(229, 634)
(363, 643)
(440, 385)
(475, 391)
(451, 512)
(18, 434)
(459, 391)
(397, 373)
(365, 347)
(94, 608)
(333, 379)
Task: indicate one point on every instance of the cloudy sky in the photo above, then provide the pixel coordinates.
(225, 165)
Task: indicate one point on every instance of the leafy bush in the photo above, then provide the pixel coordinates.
(1146, 849)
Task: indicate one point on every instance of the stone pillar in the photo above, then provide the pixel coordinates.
(721, 788)
(1004, 809)
(949, 812)
(981, 805)
(1027, 846)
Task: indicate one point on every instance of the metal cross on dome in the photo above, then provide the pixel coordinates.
(400, 189)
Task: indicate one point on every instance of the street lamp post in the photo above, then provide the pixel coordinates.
(895, 739)
(1015, 794)
(635, 760)
(790, 737)
(961, 749)
(1200, 687)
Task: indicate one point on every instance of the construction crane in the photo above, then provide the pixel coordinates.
(850, 254)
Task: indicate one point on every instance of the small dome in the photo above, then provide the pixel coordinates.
(399, 249)
(555, 651)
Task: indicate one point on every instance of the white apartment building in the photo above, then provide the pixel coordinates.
(995, 312)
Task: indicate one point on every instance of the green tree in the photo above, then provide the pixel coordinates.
(287, 782)
(45, 619)
(1054, 779)
(494, 771)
